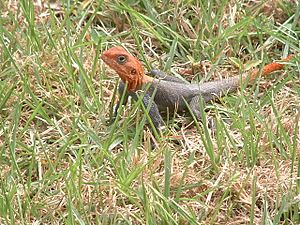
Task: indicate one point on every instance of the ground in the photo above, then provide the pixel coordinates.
(62, 162)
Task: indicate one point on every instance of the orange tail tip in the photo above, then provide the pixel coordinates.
(271, 67)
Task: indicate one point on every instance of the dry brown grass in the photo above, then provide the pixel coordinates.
(61, 169)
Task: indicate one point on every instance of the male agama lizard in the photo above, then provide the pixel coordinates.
(170, 93)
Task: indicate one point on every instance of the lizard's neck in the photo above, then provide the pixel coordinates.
(146, 79)
(138, 82)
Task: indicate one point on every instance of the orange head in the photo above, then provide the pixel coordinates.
(128, 67)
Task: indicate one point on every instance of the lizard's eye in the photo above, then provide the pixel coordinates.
(121, 59)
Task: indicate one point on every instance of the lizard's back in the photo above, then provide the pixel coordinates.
(172, 95)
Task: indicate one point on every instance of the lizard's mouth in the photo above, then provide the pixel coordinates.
(106, 60)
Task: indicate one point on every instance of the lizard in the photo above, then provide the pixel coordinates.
(171, 93)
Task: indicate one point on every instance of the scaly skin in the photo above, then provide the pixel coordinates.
(170, 93)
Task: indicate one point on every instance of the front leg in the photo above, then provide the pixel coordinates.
(153, 112)
(147, 101)
(121, 91)
(151, 109)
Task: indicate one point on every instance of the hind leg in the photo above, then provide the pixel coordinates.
(196, 103)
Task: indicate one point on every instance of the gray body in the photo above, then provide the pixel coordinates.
(172, 94)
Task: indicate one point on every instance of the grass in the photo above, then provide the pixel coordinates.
(62, 163)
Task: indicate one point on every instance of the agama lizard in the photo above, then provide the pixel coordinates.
(170, 93)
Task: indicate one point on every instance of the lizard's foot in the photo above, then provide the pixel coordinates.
(110, 121)
(211, 123)
(161, 129)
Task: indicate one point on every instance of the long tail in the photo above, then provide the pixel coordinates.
(217, 88)
(269, 68)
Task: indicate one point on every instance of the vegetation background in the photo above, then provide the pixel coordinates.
(62, 163)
